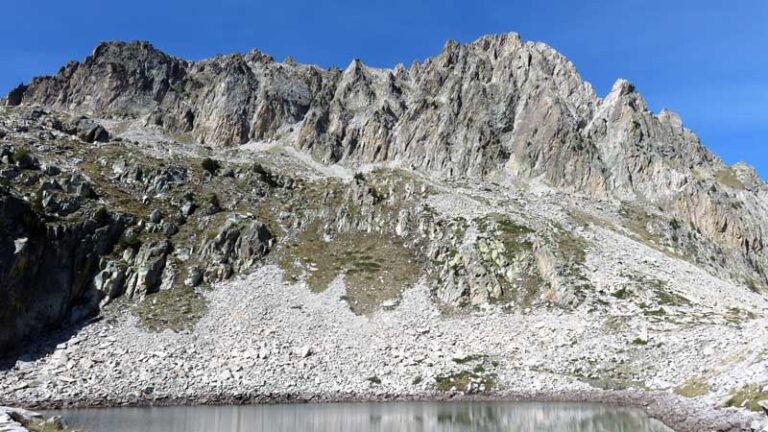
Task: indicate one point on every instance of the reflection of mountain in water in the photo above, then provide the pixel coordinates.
(378, 417)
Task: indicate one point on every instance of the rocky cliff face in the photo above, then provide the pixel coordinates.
(495, 108)
(208, 165)
(46, 269)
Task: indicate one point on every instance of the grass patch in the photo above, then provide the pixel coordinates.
(655, 312)
(176, 309)
(637, 221)
(615, 324)
(727, 176)
(748, 397)
(463, 382)
(693, 388)
(660, 290)
(622, 294)
(374, 380)
(571, 251)
(376, 267)
(22, 155)
(672, 299)
(42, 426)
(586, 219)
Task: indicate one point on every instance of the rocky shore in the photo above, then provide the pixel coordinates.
(21, 420)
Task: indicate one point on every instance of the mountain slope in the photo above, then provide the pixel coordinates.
(498, 108)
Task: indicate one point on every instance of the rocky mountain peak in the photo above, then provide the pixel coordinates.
(621, 87)
(256, 56)
(497, 108)
(671, 118)
(499, 43)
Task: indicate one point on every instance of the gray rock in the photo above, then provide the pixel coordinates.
(170, 229)
(194, 277)
(150, 263)
(304, 351)
(188, 208)
(155, 217)
(90, 131)
(764, 405)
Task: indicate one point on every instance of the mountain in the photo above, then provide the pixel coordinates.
(497, 108)
(492, 175)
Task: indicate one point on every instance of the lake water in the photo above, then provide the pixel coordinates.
(368, 417)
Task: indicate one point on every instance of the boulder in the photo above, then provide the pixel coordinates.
(89, 131)
(149, 264)
(155, 217)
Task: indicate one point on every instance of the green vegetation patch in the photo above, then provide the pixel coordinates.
(42, 426)
(175, 309)
(655, 312)
(376, 267)
(571, 251)
(637, 220)
(693, 388)
(659, 290)
(748, 397)
(463, 382)
(616, 324)
(622, 293)
(727, 176)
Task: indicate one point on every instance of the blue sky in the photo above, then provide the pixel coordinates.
(705, 59)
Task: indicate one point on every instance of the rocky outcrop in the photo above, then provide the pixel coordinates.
(46, 269)
(238, 245)
(21, 420)
(75, 238)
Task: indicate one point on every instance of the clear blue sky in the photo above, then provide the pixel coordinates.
(705, 59)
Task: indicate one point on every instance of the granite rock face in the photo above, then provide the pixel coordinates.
(496, 108)
(46, 270)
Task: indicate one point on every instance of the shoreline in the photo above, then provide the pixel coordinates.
(677, 413)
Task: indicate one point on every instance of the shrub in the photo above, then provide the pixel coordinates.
(210, 165)
(260, 170)
(213, 200)
(22, 156)
(748, 397)
(101, 215)
(130, 241)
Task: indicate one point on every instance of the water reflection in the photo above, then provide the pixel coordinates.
(373, 417)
